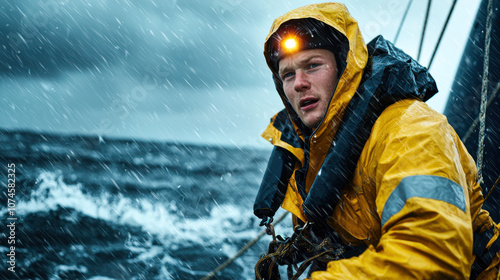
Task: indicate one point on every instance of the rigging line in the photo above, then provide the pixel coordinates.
(476, 121)
(423, 29)
(494, 185)
(242, 250)
(484, 92)
(402, 21)
(442, 32)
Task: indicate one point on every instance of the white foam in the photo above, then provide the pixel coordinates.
(101, 278)
(225, 223)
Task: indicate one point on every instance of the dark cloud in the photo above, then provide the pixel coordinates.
(189, 43)
(45, 38)
(185, 69)
(134, 67)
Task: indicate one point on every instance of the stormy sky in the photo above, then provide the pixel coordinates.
(188, 71)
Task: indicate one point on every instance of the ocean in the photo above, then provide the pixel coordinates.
(85, 207)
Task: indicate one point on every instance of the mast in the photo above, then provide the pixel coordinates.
(463, 106)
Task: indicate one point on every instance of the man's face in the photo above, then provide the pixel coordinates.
(309, 80)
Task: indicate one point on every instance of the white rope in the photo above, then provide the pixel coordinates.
(484, 93)
(476, 121)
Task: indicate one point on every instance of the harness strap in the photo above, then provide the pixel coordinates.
(267, 263)
(481, 240)
(284, 252)
(484, 256)
(306, 263)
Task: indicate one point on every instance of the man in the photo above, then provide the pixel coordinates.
(360, 156)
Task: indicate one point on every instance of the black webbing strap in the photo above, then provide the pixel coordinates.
(484, 256)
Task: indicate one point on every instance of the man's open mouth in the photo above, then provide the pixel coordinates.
(308, 103)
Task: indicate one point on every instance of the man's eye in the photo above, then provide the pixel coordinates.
(287, 75)
(313, 65)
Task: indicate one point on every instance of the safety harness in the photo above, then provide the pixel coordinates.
(299, 248)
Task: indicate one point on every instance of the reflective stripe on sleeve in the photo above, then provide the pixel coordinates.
(425, 186)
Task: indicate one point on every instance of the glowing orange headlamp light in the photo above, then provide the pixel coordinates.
(290, 44)
(301, 34)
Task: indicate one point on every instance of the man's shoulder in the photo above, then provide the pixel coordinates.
(410, 127)
(409, 117)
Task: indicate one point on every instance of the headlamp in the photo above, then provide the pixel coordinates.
(303, 34)
(290, 45)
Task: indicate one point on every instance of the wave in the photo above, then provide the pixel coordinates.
(143, 230)
(161, 218)
(105, 209)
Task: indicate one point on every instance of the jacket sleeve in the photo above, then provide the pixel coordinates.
(422, 200)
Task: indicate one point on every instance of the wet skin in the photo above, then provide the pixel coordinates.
(309, 80)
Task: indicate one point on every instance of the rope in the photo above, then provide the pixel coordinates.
(284, 251)
(494, 185)
(308, 262)
(476, 121)
(484, 93)
(242, 250)
(442, 32)
(402, 21)
(423, 29)
(271, 259)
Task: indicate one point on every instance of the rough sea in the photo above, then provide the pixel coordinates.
(101, 209)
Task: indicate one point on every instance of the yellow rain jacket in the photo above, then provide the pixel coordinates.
(413, 198)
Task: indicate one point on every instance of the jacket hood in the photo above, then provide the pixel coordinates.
(336, 16)
(375, 76)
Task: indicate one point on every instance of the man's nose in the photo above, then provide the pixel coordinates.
(301, 81)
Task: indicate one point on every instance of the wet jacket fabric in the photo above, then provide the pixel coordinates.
(383, 169)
